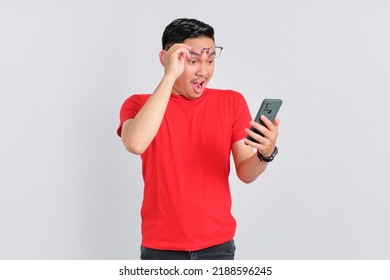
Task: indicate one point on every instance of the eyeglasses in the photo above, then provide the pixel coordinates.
(213, 52)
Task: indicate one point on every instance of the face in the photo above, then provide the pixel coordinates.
(197, 71)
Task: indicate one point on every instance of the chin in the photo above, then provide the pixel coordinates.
(195, 95)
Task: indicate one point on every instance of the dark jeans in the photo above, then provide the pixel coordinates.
(224, 251)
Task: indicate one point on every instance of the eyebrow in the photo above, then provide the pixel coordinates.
(213, 49)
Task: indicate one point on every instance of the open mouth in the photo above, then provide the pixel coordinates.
(199, 86)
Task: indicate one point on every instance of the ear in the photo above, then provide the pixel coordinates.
(161, 56)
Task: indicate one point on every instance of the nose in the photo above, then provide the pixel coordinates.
(203, 65)
(202, 70)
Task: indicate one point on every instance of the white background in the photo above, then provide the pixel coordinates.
(68, 188)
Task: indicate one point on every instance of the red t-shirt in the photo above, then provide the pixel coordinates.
(187, 201)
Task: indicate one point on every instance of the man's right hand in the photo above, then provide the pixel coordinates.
(174, 59)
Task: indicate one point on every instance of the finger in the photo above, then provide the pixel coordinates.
(254, 135)
(252, 144)
(276, 122)
(264, 149)
(180, 49)
(276, 127)
(266, 122)
(261, 128)
(187, 50)
(183, 50)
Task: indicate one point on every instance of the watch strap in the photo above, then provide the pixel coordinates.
(270, 158)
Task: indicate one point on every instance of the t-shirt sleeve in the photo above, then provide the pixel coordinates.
(241, 120)
(130, 109)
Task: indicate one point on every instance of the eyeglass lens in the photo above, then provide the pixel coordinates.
(212, 52)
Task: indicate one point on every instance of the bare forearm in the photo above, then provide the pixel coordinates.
(251, 168)
(248, 165)
(139, 132)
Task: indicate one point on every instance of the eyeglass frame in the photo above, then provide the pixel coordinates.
(207, 51)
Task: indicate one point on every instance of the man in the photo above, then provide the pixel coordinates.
(185, 133)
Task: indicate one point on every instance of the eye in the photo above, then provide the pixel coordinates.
(192, 62)
(210, 61)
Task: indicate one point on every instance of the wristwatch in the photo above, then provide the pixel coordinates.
(270, 158)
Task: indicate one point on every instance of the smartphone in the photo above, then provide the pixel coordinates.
(268, 108)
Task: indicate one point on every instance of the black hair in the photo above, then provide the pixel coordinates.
(183, 28)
